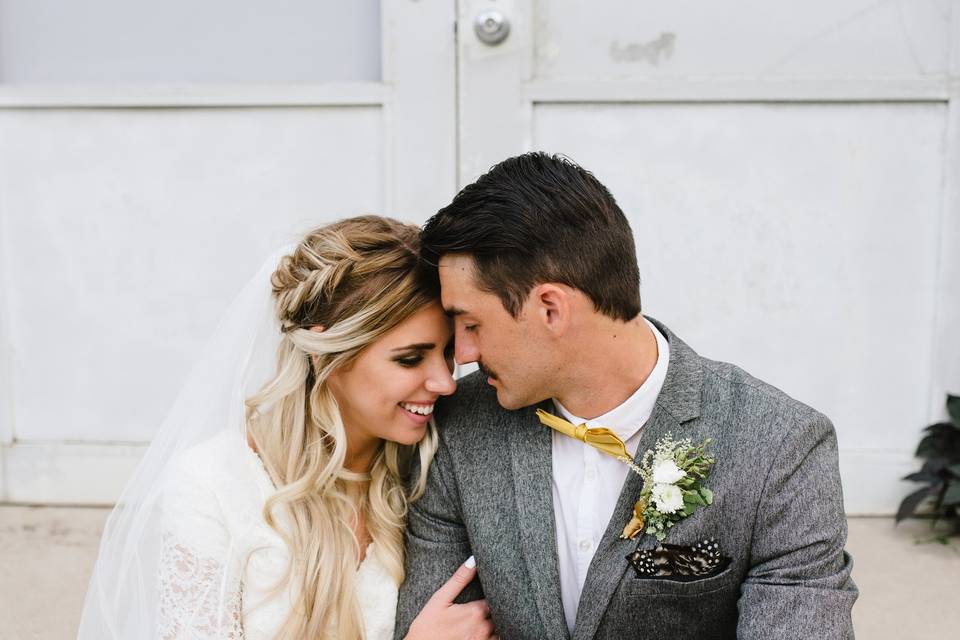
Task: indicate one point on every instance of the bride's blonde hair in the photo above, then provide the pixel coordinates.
(358, 279)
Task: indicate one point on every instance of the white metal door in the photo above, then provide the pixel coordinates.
(792, 175)
(130, 214)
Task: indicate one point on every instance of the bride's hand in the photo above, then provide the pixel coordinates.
(441, 619)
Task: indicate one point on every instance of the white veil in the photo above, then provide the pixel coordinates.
(123, 600)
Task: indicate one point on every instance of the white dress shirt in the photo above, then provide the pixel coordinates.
(587, 483)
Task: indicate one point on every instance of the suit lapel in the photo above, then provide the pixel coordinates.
(677, 403)
(531, 450)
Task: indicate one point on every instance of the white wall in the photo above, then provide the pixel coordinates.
(139, 191)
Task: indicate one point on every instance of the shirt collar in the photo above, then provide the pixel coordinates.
(627, 418)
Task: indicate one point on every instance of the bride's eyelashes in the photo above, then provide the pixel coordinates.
(414, 358)
(409, 361)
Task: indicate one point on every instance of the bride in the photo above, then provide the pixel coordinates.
(272, 502)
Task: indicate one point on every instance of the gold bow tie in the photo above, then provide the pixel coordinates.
(597, 437)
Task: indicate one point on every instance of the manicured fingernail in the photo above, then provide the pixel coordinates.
(470, 563)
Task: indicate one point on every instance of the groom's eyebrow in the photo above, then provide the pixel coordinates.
(419, 346)
(454, 311)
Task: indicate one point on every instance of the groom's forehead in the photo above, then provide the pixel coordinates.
(458, 262)
(457, 284)
(456, 270)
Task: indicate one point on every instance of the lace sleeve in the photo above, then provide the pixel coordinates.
(200, 591)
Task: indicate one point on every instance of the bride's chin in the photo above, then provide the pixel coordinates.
(412, 437)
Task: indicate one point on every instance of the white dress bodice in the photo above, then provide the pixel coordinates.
(222, 563)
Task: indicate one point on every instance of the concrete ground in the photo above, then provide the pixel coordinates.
(909, 591)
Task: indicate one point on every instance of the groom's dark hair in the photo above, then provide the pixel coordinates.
(538, 218)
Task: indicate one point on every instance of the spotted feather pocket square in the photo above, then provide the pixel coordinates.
(680, 563)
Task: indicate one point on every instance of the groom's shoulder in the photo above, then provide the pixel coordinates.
(729, 392)
(749, 401)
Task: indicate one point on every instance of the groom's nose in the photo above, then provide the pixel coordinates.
(465, 348)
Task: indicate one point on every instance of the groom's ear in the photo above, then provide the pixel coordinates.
(551, 304)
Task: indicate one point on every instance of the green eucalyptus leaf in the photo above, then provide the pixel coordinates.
(707, 495)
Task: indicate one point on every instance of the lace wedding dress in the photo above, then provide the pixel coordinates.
(221, 563)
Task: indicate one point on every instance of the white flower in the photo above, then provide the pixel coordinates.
(667, 472)
(667, 497)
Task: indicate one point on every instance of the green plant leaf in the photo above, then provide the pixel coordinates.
(707, 495)
(937, 440)
(692, 497)
(942, 441)
(952, 495)
(953, 409)
(944, 429)
(922, 476)
(934, 465)
(911, 502)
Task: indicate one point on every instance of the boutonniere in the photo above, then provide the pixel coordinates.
(673, 474)
(673, 486)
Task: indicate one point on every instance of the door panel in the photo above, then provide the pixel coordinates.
(632, 40)
(143, 261)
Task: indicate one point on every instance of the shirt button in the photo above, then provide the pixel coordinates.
(584, 545)
(591, 474)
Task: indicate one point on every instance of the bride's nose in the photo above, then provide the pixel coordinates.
(439, 380)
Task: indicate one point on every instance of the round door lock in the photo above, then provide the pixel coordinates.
(491, 27)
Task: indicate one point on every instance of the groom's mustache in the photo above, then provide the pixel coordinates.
(487, 372)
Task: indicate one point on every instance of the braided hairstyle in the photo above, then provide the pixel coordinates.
(358, 279)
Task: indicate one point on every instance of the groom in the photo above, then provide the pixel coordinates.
(538, 269)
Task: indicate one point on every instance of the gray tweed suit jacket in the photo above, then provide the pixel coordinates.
(777, 511)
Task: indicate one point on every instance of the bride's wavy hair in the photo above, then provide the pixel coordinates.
(358, 279)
